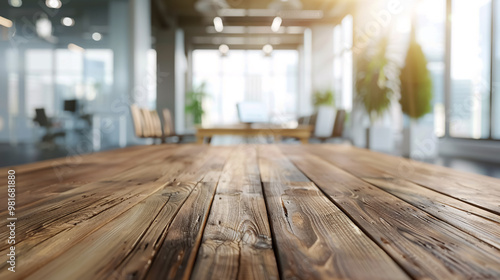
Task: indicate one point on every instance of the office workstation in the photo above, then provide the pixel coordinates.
(263, 139)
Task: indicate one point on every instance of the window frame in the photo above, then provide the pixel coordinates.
(448, 88)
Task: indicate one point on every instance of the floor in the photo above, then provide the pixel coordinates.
(26, 153)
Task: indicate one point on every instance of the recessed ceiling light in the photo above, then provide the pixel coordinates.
(16, 3)
(67, 21)
(54, 4)
(219, 26)
(44, 27)
(268, 49)
(96, 36)
(224, 49)
(275, 26)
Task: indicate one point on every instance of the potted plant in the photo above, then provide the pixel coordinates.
(324, 104)
(323, 98)
(374, 93)
(194, 103)
(419, 139)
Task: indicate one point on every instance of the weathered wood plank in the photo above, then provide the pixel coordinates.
(480, 223)
(106, 247)
(171, 254)
(237, 239)
(60, 175)
(185, 166)
(70, 205)
(314, 238)
(475, 221)
(423, 245)
(478, 190)
(177, 251)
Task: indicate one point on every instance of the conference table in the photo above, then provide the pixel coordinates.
(301, 132)
(250, 212)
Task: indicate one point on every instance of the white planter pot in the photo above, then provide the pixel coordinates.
(380, 138)
(419, 141)
(325, 121)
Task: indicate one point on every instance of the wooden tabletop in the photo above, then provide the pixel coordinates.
(250, 212)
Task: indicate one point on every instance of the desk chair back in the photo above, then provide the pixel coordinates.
(137, 120)
(147, 130)
(156, 129)
(338, 127)
(41, 118)
(168, 124)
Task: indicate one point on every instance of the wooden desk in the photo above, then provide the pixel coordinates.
(302, 132)
(251, 212)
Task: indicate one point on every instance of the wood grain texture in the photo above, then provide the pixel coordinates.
(314, 238)
(176, 250)
(70, 226)
(237, 240)
(480, 223)
(423, 245)
(171, 244)
(66, 207)
(40, 180)
(252, 212)
(475, 221)
(105, 248)
(478, 190)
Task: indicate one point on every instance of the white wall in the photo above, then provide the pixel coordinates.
(322, 57)
(305, 107)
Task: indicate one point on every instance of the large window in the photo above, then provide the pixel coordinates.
(431, 34)
(39, 81)
(470, 69)
(472, 104)
(343, 62)
(247, 75)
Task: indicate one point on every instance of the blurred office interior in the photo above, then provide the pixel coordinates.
(70, 70)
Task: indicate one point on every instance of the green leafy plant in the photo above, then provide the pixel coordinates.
(372, 82)
(194, 103)
(416, 83)
(323, 98)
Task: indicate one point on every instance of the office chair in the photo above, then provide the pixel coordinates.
(168, 126)
(43, 121)
(338, 127)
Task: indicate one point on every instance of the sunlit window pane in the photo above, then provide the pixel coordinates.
(347, 81)
(470, 68)
(431, 36)
(38, 81)
(347, 32)
(247, 75)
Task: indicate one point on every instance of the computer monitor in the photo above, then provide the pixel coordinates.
(70, 105)
(252, 112)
